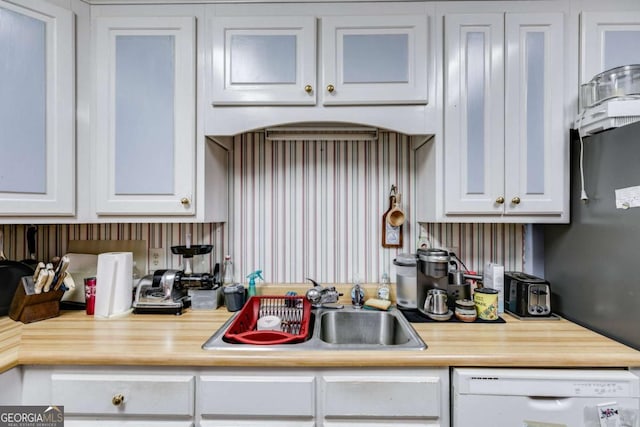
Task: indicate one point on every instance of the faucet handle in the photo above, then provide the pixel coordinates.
(314, 296)
(316, 284)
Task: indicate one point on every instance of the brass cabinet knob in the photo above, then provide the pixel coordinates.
(117, 400)
(500, 200)
(330, 88)
(515, 200)
(185, 201)
(308, 88)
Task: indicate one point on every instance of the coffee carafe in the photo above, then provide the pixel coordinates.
(432, 273)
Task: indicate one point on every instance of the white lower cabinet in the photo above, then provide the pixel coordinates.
(391, 397)
(115, 396)
(323, 397)
(238, 397)
(256, 398)
(11, 386)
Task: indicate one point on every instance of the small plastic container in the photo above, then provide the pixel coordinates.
(466, 310)
(204, 299)
(234, 296)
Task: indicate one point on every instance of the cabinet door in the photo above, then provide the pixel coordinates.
(263, 60)
(137, 394)
(374, 59)
(608, 40)
(357, 397)
(144, 127)
(534, 126)
(37, 112)
(474, 113)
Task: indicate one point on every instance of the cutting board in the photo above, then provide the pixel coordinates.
(137, 247)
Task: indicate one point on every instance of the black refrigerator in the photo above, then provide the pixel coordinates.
(593, 263)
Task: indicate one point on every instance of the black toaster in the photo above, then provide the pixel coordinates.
(526, 295)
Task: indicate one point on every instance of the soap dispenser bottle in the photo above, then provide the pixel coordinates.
(384, 288)
(252, 281)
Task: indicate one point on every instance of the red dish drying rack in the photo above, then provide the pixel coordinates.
(295, 312)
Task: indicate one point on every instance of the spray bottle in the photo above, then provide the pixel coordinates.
(252, 281)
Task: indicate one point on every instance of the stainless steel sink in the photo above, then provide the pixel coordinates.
(341, 329)
(368, 328)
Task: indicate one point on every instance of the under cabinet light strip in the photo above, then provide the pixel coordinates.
(321, 134)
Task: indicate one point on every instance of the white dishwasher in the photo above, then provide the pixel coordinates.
(484, 397)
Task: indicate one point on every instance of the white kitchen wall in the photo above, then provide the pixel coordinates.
(304, 209)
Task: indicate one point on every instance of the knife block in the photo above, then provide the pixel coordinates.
(27, 306)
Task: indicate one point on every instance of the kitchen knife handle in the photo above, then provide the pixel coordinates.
(42, 278)
(36, 273)
(51, 275)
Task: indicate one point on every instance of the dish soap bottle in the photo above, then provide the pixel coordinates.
(252, 281)
(384, 288)
(227, 271)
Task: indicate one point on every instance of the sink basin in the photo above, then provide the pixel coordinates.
(341, 329)
(363, 327)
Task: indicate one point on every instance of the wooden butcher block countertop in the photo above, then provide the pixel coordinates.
(74, 338)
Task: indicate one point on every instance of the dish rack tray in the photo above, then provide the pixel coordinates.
(295, 312)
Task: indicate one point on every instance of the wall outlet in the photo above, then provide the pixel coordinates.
(157, 259)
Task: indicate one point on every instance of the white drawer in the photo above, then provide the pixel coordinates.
(381, 396)
(257, 395)
(143, 394)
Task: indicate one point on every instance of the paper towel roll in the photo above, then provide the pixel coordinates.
(114, 285)
(269, 323)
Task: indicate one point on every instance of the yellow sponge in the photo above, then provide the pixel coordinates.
(379, 304)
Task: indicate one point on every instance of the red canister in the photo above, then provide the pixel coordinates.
(90, 294)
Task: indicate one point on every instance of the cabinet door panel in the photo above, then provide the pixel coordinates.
(534, 132)
(263, 60)
(474, 113)
(151, 395)
(95, 422)
(374, 60)
(261, 422)
(144, 114)
(144, 130)
(380, 396)
(609, 40)
(270, 395)
(37, 110)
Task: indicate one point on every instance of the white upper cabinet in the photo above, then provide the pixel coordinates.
(37, 110)
(271, 60)
(504, 139)
(474, 113)
(374, 60)
(144, 123)
(535, 132)
(265, 60)
(608, 40)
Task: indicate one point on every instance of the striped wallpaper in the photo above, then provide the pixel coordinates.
(304, 209)
(314, 208)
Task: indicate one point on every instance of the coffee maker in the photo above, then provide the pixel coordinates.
(438, 269)
(432, 273)
(166, 291)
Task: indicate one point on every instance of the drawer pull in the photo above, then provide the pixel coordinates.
(117, 400)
